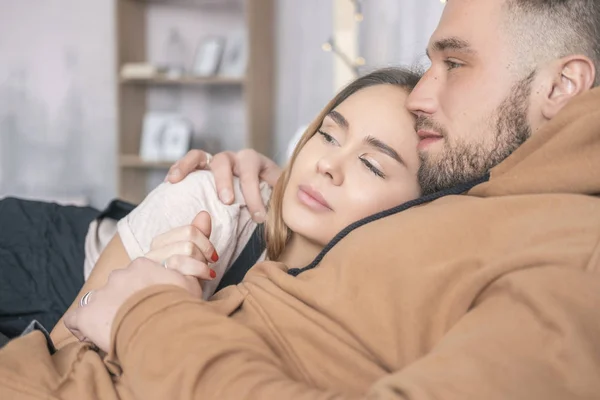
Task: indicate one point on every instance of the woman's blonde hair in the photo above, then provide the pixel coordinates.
(277, 232)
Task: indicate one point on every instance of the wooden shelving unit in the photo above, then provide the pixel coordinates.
(189, 3)
(256, 87)
(186, 80)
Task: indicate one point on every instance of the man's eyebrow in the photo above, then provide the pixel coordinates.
(339, 119)
(451, 43)
(384, 148)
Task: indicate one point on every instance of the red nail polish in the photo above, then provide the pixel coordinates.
(213, 274)
(214, 257)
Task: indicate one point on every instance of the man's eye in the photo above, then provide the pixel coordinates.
(450, 65)
(327, 138)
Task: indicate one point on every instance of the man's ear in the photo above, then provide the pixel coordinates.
(573, 76)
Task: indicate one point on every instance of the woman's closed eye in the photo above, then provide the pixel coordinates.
(327, 138)
(369, 165)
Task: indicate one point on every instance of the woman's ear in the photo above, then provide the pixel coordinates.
(576, 74)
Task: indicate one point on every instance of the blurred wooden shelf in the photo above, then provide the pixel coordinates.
(192, 3)
(141, 26)
(135, 161)
(186, 80)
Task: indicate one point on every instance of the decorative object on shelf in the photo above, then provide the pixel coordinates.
(165, 136)
(235, 56)
(175, 54)
(141, 71)
(208, 56)
(162, 79)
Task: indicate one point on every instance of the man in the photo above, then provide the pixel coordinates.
(489, 88)
(495, 293)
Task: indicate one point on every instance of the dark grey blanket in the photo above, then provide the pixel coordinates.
(41, 261)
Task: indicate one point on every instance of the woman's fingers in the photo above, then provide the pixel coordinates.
(203, 222)
(191, 241)
(186, 240)
(190, 267)
(188, 249)
(197, 233)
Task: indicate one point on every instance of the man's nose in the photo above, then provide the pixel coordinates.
(423, 99)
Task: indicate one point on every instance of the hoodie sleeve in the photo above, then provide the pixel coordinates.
(531, 335)
(207, 355)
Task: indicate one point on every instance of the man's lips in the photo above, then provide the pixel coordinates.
(424, 134)
(312, 198)
(427, 137)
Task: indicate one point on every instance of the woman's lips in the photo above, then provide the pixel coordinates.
(312, 199)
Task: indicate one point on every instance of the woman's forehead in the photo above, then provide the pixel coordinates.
(377, 108)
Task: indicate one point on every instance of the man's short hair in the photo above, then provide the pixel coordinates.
(557, 28)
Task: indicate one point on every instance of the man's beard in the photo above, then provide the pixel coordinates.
(463, 161)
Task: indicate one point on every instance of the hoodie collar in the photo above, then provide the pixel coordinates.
(562, 157)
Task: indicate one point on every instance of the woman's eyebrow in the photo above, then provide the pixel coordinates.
(384, 148)
(339, 119)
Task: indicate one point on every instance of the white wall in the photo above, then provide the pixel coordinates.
(57, 99)
(396, 32)
(304, 70)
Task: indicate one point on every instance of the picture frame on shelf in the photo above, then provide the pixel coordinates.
(235, 56)
(165, 136)
(207, 57)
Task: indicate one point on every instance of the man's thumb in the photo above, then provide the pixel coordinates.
(203, 222)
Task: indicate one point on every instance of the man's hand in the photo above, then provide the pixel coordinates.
(93, 321)
(250, 166)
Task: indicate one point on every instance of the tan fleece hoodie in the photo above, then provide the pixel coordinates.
(490, 295)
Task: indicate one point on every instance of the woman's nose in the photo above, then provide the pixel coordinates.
(332, 168)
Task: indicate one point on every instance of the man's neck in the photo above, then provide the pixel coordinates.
(299, 252)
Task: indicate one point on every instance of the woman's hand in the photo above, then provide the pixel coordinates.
(184, 252)
(187, 249)
(93, 321)
(250, 166)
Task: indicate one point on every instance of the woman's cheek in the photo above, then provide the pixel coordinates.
(362, 203)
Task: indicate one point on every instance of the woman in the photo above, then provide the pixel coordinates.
(358, 158)
(160, 227)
